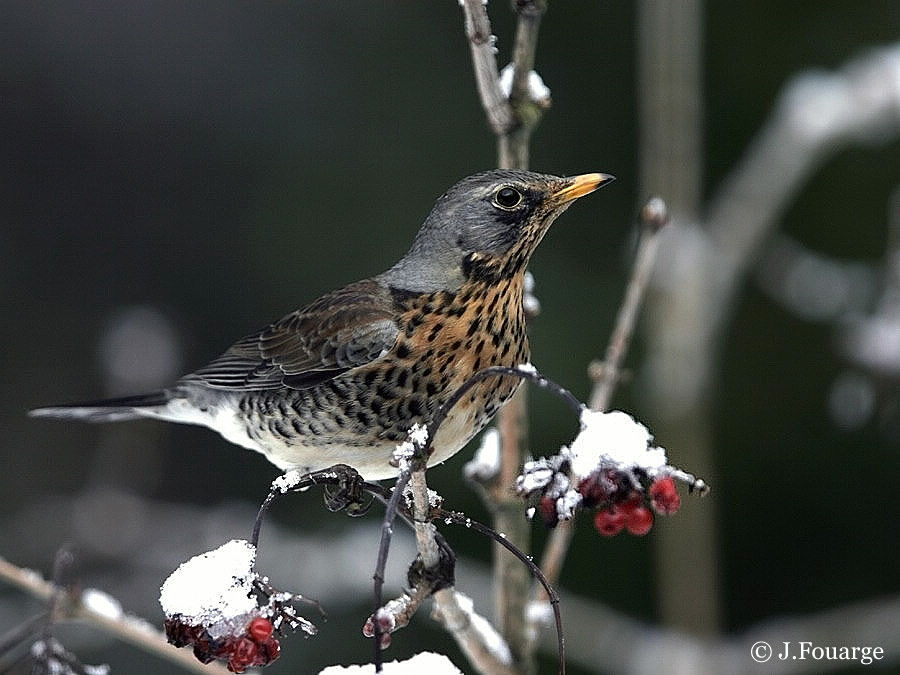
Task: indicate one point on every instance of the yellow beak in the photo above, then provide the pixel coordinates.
(579, 186)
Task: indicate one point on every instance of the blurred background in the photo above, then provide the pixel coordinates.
(176, 175)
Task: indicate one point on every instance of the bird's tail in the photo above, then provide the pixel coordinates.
(108, 410)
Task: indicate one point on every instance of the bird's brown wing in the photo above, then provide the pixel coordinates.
(340, 331)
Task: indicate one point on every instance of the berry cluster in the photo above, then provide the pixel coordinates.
(627, 509)
(255, 646)
(622, 498)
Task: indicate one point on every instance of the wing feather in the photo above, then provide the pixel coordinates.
(340, 331)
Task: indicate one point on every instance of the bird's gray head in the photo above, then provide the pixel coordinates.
(486, 226)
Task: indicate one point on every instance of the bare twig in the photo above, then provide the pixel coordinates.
(607, 374)
(454, 611)
(129, 629)
(527, 563)
(531, 375)
(653, 217)
(484, 59)
(696, 285)
(387, 530)
(512, 121)
(513, 144)
(473, 634)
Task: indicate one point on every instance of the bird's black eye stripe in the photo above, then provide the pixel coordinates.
(507, 198)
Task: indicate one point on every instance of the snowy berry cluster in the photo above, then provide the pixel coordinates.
(627, 509)
(217, 603)
(612, 467)
(254, 647)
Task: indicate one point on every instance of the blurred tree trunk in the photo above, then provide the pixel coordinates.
(676, 378)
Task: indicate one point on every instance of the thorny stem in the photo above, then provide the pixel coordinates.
(606, 375)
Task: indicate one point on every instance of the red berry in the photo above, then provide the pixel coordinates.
(204, 652)
(547, 506)
(243, 655)
(609, 522)
(598, 487)
(639, 520)
(635, 501)
(260, 629)
(664, 496)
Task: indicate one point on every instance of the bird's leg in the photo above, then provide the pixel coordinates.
(347, 493)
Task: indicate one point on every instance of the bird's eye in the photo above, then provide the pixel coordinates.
(507, 198)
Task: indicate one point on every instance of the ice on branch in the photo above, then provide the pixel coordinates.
(287, 482)
(416, 440)
(424, 662)
(538, 92)
(217, 603)
(485, 465)
(611, 466)
(101, 603)
(527, 368)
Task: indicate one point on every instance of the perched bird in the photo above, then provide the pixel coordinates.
(343, 379)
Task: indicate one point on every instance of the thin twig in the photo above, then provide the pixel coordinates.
(526, 560)
(484, 60)
(128, 629)
(387, 530)
(653, 217)
(525, 46)
(520, 116)
(501, 371)
(480, 648)
(513, 144)
(476, 637)
(22, 632)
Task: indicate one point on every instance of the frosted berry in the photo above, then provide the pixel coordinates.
(634, 501)
(547, 507)
(639, 520)
(664, 496)
(243, 655)
(268, 651)
(601, 486)
(609, 522)
(260, 629)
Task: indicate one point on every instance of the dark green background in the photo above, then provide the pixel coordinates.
(227, 162)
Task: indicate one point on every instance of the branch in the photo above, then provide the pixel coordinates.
(512, 119)
(432, 574)
(513, 145)
(606, 375)
(482, 43)
(101, 611)
(476, 637)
